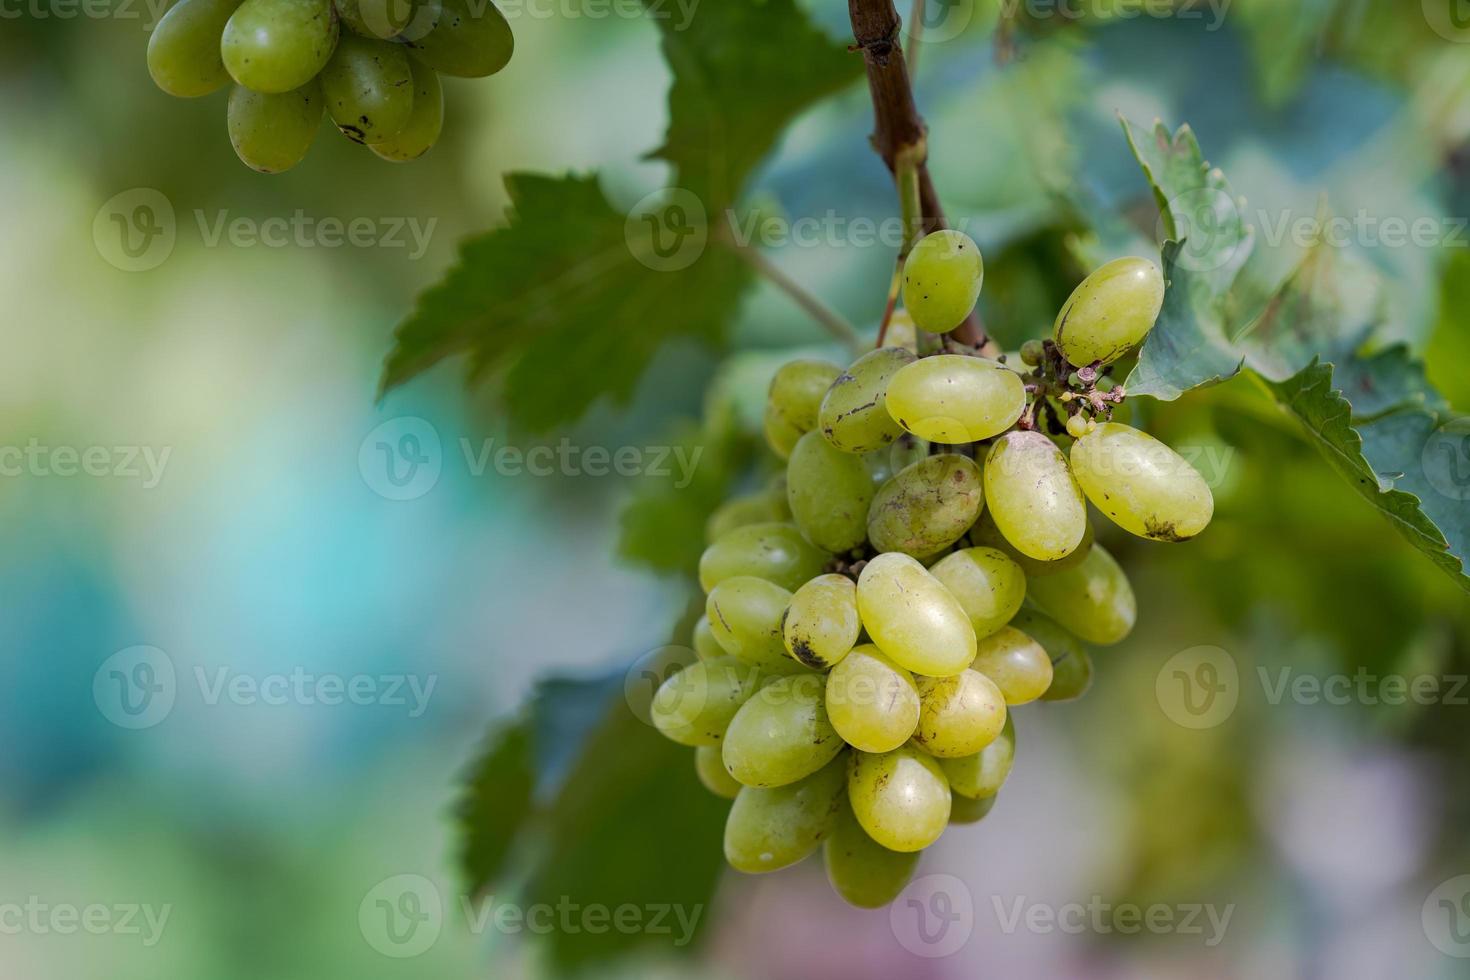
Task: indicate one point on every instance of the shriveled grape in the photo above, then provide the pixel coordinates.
(928, 506)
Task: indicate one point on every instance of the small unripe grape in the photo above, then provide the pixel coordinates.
(953, 399)
(275, 46)
(1071, 664)
(914, 619)
(1078, 426)
(1110, 312)
(781, 734)
(1144, 486)
(694, 706)
(771, 829)
(775, 552)
(854, 414)
(901, 798)
(821, 626)
(1032, 352)
(872, 701)
(710, 768)
(927, 507)
(984, 773)
(865, 873)
(745, 617)
(989, 586)
(1032, 496)
(829, 493)
(1017, 664)
(941, 280)
(959, 715)
(1092, 600)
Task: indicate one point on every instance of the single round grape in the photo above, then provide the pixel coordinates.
(1110, 312)
(775, 552)
(1144, 486)
(694, 706)
(962, 809)
(1071, 664)
(1078, 426)
(854, 415)
(1032, 496)
(1032, 353)
(272, 132)
(369, 88)
(425, 122)
(781, 734)
(466, 39)
(901, 798)
(781, 435)
(959, 715)
(275, 46)
(872, 701)
(865, 873)
(771, 829)
(1092, 600)
(952, 398)
(914, 619)
(1017, 664)
(711, 771)
(821, 625)
(928, 506)
(986, 535)
(983, 774)
(989, 586)
(745, 617)
(742, 511)
(941, 280)
(829, 493)
(706, 647)
(381, 19)
(183, 51)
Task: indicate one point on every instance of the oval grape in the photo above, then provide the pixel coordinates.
(1093, 600)
(865, 873)
(272, 132)
(468, 40)
(275, 46)
(745, 618)
(914, 619)
(959, 715)
(1032, 496)
(1017, 664)
(990, 587)
(781, 734)
(1144, 486)
(184, 49)
(952, 398)
(695, 706)
(829, 493)
(901, 798)
(928, 506)
(942, 277)
(710, 768)
(425, 121)
(775, 552)
(965, 810)
(771, 829)
(742, 511)
(1110, 312)
(1071, 664)
(369, 88)
(983, 774)
(821, 625)
(854, 415)
(986, 535)
(872, 701)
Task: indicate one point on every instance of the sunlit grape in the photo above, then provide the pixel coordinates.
(821, 624)
(914, 619)
(1031, 495)
(989, 586)
(901, 798)
(942, 277)
(1143, 485)
(1110, 312)
(950, 398)
(872, 701)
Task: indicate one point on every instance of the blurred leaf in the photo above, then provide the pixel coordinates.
(496, 802)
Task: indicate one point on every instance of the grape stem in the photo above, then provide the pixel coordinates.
(829, 319)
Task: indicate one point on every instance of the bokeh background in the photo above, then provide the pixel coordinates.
(268, 546)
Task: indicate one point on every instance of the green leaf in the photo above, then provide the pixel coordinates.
(496, 802)
(1187, 347)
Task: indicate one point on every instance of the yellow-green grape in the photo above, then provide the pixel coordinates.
(1093, 600)
(829, 493)
(793, 400)
(1143, 485)
(694, 706)
(781, 734)
(983, 774)
(781, 435)
(742, 511)
(183, 53)
(1079, 425)
(901, 798)
(424, 124)
(952, 398)
(821, 625)
(989, 586)
(927, 506)
(986, 535)
(369, 88)
(278, 45)
(272, 132)
(854, 415)
(941, 280)
(1018, 664)
(872, 701)
(913, 618)
(1032, 496)
(711, 770)
(467, 39)
(706, 647)
(745, 617)
(1071, 664)
(775, 552)
(959, 715)
(901, 331)
(1110, 312)
(962, 809)
(865, 873)
(382, 19)
(771, 829)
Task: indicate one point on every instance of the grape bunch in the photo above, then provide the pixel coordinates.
(372, 65)
(925, 567)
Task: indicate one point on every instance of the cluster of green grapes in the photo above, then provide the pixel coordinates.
(926, 566)
(290, 60)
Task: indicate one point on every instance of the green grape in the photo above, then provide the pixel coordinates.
(962, 809)
(901, 331)
(1078, 426)
(1144, 486)
(928, 506)
(853, 415)
(941, 280)
(872, 701)
(706, 647)
(711, 771)
(742, 511)
(1018, 664)
(272, 132)
(986, 535)
(771, 829)
(745, 617)
(952, 398)
(829, 492)
(1093, 600)
(983, 774)
(782, 733)
(989, 586)
(1110, 312)
(796, 392)
(1071, 664)
(694, 706)
(959, 715)
(183, 53)
(1032, 352)
(775, 552)
(275, 46)
(1032, 496)
(466, 38)
(913, 618)
(821, 624)
(426, 120)
(781, 435)
(865, 873)
(369, 88)
(381, 19)
(901, 798)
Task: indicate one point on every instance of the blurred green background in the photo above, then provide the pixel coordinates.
(265, 821)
